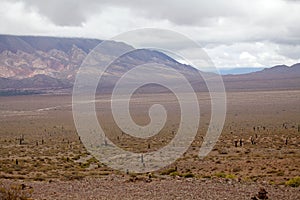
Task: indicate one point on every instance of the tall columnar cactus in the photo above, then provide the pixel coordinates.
(241, 142)
(21, 139)
(252, 140)
(235, 143)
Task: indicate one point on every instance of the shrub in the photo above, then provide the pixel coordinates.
(294, 182)
(206, 176)
(230, 176)
(220, 175)
(168, 171)
(175, 174)
(188, 175)
(14, 192)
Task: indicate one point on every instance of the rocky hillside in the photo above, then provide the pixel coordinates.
(51, 63)
(26, 56)
(29, 62)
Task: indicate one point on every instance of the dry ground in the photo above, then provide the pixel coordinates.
(52, 159)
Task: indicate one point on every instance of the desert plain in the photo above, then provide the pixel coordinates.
(259, 147)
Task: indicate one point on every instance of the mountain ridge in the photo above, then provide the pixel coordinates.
(42, 62)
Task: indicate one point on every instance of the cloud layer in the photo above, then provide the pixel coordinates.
(234, 33)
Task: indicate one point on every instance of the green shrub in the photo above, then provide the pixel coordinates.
(220, 175)
(230, 176)
(168, 171)
(294, 182)
(174, 174)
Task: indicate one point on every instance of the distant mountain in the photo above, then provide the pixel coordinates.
(26, 56)
(280, 77)
(28, 62)
(243, 70)
(281, 71)
(34, 63)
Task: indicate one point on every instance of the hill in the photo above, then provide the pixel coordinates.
(51, 63)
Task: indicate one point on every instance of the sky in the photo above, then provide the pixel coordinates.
(234, 33)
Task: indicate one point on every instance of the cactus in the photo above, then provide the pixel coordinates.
(252, 140)
(21, 139)
(235, 143)
(241, 142)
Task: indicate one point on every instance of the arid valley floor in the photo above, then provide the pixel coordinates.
(40, 148)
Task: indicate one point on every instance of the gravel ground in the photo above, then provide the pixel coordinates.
(117, 187)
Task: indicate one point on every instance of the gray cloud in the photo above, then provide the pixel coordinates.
(66, 12)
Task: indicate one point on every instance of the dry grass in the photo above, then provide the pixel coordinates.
(15, 192)
(52, 150)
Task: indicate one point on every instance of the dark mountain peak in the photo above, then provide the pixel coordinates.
(294, 70)
(277, 68)
(297, 65)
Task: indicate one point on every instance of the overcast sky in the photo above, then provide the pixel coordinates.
(234, 33)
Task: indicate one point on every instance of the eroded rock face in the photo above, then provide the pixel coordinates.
(54, 63)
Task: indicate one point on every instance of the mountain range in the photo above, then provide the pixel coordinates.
(36, 63)
(239, 70)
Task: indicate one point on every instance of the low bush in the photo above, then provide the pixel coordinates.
(293, 182)
(15, 192)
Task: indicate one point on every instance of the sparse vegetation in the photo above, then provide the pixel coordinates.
(15, 192)
(256, 156)
(293, 182)
(168, 171)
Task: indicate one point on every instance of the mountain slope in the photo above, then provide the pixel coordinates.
(24, 59)
(280, 77)
(41, 63)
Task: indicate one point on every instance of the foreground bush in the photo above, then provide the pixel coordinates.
(15, 192)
